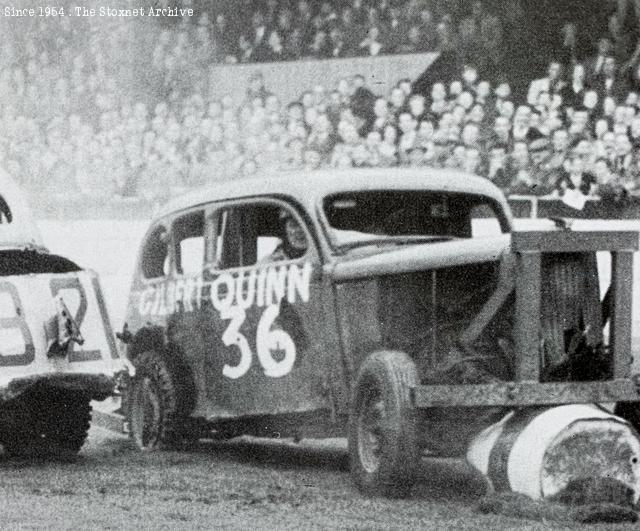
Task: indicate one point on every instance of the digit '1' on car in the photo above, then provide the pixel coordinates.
(393, 307)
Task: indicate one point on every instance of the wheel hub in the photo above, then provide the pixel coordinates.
(370, 432)
(146, 417)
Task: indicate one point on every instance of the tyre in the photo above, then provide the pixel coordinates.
(383, 444)
(159, 405)
(48, 425)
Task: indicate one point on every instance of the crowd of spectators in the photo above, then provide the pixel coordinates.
(292, 30)
(577, 135)
(78, 120)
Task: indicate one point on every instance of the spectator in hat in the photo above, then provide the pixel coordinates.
(559, 147)
(595, 64)
(501, 132)
(382, 115)
(472, 161)
(388, 147)
(575, 176)
(579, 123)
(543, 174)
(521, 123)
(609, 83)
(417, 107)
(552, 83)
(622, 162)
(408, 135)
(573, 92)
(519, 170)
(496, 170)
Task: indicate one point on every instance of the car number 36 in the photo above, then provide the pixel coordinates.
(275, 348)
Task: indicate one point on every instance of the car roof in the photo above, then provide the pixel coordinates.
(22, 231)
(307, 187)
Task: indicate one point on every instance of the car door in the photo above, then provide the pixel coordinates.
(264, 317)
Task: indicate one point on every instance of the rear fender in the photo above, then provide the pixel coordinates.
(154, 338)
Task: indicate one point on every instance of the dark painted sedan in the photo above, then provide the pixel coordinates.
(355, 303)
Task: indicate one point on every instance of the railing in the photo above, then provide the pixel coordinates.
(525, 206)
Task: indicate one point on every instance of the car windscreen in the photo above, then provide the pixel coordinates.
(400, 217)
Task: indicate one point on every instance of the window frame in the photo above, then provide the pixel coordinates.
(334, 250)
(174, 242)
(311, 254)
(164, 223)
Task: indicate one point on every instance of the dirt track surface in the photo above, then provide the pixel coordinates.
(245, 484)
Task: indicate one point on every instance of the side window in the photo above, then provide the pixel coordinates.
(155, 254)
(189, 240)
(256, 234)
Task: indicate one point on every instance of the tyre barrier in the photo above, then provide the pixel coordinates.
(539, 451)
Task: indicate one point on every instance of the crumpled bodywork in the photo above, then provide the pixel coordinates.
(29, 303)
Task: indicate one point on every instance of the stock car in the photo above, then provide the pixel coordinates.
(57, 348)
(395, 307)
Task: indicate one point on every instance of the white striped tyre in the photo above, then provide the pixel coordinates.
(538, 451)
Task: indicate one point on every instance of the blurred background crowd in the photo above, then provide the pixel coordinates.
(109, 108)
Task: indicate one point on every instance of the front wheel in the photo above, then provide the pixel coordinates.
(383, 442)
(50, 424)
(158, 409)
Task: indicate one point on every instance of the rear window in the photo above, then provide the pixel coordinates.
(21, 262)
(358, 218)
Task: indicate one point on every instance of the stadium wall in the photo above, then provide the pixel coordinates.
(291, 79)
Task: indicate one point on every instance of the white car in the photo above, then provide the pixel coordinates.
(57, 349)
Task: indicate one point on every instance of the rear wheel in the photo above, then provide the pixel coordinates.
(383, 445)
(158, 405)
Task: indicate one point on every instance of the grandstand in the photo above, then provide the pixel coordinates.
(135, 109)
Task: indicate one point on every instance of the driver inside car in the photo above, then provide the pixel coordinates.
(294, 240)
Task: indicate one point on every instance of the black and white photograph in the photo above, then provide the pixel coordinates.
(319, 264)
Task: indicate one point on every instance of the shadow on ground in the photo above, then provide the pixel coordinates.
(437, 479)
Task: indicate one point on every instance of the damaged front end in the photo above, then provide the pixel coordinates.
(57, 352)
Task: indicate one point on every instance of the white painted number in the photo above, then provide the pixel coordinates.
(270, 342)
(276, 349)
(232, 336)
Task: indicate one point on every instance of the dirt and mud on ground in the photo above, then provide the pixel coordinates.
(238, 485)
(244, 484)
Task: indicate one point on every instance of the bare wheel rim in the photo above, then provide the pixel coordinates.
(371, 420)
(146, 418)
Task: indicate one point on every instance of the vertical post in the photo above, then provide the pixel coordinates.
(527, 318)
(534, 207)
(620, 328)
